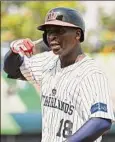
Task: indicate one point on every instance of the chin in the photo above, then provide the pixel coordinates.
(57, 52)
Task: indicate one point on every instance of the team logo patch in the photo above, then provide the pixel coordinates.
(51, 16)
(99, 107)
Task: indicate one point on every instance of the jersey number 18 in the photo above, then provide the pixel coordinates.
(65, 128)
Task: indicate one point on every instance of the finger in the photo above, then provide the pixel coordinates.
(22, 52)
(32, 45)
(31, 53)
(13, 43)
(28, 43)
(28, 54)
(22, 47)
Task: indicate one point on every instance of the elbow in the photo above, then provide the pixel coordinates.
(106, 124)
(108, 127)
(7, 63)
(12, 62)
(5, 67)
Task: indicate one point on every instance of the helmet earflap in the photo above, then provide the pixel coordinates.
(82, 36)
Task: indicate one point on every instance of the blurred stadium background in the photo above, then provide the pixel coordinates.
(20, 102)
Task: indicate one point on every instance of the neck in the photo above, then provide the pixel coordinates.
(72, 57)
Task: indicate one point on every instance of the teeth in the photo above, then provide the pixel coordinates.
(54, 44)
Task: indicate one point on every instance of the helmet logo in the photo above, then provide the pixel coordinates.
(51, 16)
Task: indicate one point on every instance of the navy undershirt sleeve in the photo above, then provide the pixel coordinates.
(91, 130)
(12, 63)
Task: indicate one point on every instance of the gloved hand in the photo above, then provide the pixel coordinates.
(23, 47)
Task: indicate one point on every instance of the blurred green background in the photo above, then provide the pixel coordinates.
(20, 101)
(20, 19)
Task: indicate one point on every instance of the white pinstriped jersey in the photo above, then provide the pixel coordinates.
(69, 96)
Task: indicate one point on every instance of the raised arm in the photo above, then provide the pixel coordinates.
(12, 62)
(14, 57)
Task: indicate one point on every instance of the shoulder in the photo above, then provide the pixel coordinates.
(45, 54)
(89, 66)
(40, 57)
(47, 59)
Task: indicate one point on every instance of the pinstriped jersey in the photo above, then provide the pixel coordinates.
(70, 96)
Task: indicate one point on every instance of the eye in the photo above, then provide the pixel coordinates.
(58, 31)
(61, 31)
(48, 31)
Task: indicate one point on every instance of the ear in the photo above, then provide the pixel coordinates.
(78, 34)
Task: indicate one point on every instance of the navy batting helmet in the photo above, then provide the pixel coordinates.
(66, 17)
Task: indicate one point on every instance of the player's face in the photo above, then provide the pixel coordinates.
(62, 40)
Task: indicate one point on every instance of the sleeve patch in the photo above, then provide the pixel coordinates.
(98, 107)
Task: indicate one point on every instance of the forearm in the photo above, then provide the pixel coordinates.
(12, 63)
(91, 130)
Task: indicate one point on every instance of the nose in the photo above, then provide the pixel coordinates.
(52, 36)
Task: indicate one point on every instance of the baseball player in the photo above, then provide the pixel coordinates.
(75, 95)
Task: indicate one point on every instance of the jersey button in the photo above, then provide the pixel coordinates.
(54, 91)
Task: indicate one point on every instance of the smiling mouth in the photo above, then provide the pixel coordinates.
(55, 47)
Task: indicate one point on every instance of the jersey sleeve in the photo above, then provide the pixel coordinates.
(32, 68)
(96, 90)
